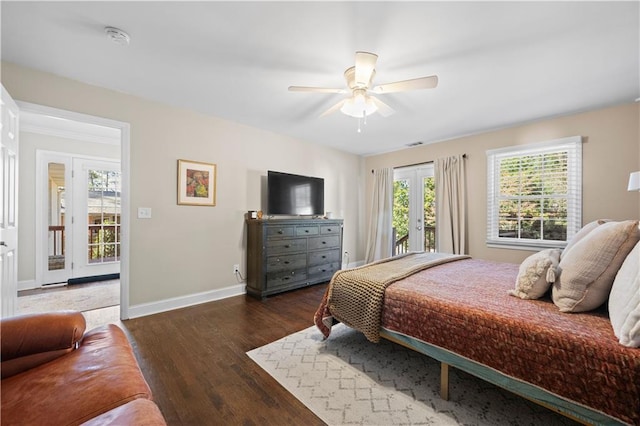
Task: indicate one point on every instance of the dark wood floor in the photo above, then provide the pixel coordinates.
(195, 359)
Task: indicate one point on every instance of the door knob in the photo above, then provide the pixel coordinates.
(2, 243)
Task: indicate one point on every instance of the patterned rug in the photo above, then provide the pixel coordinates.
(82, 297)
(347, 380)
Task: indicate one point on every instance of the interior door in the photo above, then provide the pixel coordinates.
(9, 208)
(96, 217)
(414, 209)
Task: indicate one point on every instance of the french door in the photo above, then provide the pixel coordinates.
(80, 207)
(97, 212)
(54, 208)
(414, 220)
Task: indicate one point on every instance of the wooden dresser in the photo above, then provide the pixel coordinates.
(284, 254)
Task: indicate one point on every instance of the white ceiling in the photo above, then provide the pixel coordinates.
(498, 63)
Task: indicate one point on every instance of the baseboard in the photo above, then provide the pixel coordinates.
(144, 309)
(27, 285)
(355, 264)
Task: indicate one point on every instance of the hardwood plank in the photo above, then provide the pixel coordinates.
(195, 361)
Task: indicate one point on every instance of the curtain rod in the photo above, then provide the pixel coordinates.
(416, 164)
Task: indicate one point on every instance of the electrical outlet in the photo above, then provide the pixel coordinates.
(236, 268)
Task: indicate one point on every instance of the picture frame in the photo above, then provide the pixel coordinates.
(196, 183)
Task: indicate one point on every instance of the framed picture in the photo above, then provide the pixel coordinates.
(196, 183)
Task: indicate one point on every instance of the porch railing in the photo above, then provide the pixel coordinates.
(58, 240)
(401, 244)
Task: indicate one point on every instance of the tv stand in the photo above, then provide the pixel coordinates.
(285, 254)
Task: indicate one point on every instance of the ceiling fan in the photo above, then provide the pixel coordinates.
(359, 78)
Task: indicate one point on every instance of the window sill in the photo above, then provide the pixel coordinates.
(526, 245)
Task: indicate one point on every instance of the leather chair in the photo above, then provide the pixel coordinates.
(56, 374)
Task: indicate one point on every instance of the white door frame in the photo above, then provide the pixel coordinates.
(125, 163)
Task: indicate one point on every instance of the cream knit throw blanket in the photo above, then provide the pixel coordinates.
(356, 295)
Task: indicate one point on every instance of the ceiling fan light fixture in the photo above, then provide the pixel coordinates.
(359, 105)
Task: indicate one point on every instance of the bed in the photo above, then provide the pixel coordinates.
(459, 312)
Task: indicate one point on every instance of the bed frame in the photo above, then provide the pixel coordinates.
(572, 410)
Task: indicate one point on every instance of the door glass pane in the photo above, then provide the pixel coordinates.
(429, 191)
(401, 216)
(56, 212)
(103, 207)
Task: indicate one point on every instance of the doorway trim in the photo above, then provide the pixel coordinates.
(125, 164)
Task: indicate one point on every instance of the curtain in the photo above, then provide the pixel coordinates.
(379, 241)
(451, 205)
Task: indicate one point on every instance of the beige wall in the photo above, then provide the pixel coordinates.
(29, 144)
(186, 250)
(611, 141)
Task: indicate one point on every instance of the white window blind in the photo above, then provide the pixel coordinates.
(534, 194)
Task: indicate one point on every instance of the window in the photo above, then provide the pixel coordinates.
(534, 194)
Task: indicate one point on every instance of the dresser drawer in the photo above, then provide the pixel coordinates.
(325, 241)
(280, 231)
(329, 229)
(306, 230)
(286, 262)
(324, 256)
(291, 245)
(279, 279)
(325, 269)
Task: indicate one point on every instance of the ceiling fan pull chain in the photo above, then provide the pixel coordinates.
(359, 129)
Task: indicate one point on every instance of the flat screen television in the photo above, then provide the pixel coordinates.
(289, 194)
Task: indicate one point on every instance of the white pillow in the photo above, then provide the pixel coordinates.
(536, 274)
(583, 232)
(624, 301)
(588, 269)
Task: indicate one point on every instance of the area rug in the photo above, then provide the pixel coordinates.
(347, 380)
(85, 297)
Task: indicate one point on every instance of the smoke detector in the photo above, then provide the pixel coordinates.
(117, 36)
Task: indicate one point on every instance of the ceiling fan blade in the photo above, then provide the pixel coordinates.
(334, 108)
(402, 86)
(315, 89)
(365, 67)
(384, 109)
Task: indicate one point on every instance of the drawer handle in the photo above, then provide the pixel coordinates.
(324, 242)
(280, 231)
(329, 230)
(287, 246)
(324, 257)
(286, 262)
(306, 230)
(323, 270)
(285, 278)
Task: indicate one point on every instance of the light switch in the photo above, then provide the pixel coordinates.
(144, 212)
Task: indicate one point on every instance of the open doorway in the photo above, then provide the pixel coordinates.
(80, 247)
